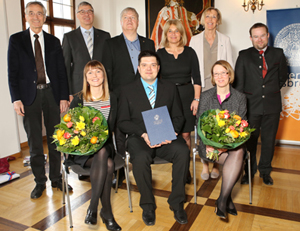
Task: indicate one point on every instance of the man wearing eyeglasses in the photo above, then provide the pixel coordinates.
(38, 86)
(261, 71)
(82, 45)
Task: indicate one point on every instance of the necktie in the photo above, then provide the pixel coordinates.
(39, 62)
(264, 70)
(151, 96)
(89, 43)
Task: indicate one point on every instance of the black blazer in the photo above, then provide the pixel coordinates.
(22, 75)
(76, 55)
(117, 62)
(134, 100)
(263, 94)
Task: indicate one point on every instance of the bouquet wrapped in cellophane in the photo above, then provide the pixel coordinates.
(82, 131)
(222, 130)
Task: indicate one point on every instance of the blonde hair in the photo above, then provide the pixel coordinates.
(228, 68)
(209, 9)
(179, 26)
(86, 91)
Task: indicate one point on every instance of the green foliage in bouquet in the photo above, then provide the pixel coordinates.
(222, 130)
(82, 131)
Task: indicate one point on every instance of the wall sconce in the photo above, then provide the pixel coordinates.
(254, 4)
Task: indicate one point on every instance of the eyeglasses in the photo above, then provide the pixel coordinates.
(83, 12)
(32, 14)
(221, 74)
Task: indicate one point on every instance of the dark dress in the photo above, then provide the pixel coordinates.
(181, 71)
(111, 123)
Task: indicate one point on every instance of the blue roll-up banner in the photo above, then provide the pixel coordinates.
(284, 29)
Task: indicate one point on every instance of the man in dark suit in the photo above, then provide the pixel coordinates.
(134, 100)
(120, 59)
(76, 47)
(261, 71)
(38, 85)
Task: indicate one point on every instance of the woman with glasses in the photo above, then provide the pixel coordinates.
(222, 96)
(210, 46)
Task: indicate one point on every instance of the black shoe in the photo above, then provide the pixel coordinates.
(267, 179)
(82, 177)
(37, 191)
(231, 211)
(58, 185)
(219, 213)
(245, 179)
(121, 179)
(188, 178)
(180, 216)
(149, 217)
(111, 224)
(91, 218)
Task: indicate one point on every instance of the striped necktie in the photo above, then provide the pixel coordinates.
(151, 96)
(89, 43)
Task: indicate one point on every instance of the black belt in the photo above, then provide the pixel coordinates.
(182, 84)
(43, 86)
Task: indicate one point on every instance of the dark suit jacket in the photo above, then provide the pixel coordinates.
(263, 94)
(133, 100)
(22, 75)
(76, 55)
(117, 62)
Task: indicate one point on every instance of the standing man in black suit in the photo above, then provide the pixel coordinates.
(38, 85)
(81, 46)
(120, 59)
(134, 99)
(261, 71)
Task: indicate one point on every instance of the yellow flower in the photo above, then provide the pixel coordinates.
(54, 136)
(81, 118)
(59, 134)
(83, 133)
(221, 123)
(75, 141)
(62, 141)
(237, 117)
(243, 134)
(80, 126)
(222, 112)
(217, 118)
(234, 133)
(237, 123)
(227, 130)
(106, 131)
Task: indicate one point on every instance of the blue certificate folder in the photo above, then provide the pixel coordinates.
(159, 125)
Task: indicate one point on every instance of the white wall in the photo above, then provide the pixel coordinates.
(237, 22)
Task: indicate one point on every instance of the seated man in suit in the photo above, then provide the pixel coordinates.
(134, 100)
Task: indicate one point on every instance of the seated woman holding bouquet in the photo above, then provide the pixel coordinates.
(223, 97)
(95, 93)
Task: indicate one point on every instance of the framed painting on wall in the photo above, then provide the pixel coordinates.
(158, 12)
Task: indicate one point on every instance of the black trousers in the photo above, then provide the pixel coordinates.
(44, 104)
(141, 157)
(267, 125)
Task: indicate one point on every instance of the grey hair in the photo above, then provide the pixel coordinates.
(129, 9)
(35, 3)
(84, 3)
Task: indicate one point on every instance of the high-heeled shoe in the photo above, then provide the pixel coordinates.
(91, 218)
(231, 211)
(111, 224)
(219, 213)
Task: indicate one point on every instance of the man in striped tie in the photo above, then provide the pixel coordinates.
(141, 95)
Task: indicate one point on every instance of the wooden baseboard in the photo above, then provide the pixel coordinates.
(25, 144)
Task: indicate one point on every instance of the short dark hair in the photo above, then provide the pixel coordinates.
(258, 25)
(148, 53)
(84, 3)
(35, 3)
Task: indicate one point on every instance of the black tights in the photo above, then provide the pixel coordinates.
(232, 162)
(102, 168)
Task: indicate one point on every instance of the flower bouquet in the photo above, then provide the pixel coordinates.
(222, 130)
(82, 131)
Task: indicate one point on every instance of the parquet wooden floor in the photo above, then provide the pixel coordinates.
(274, 207)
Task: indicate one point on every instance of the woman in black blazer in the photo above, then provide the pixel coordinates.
(95, 93)
(224, 97)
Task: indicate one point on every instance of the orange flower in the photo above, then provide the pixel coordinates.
(234, 133)
(237, 117)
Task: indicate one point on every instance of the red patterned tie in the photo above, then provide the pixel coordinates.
(264, 71)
